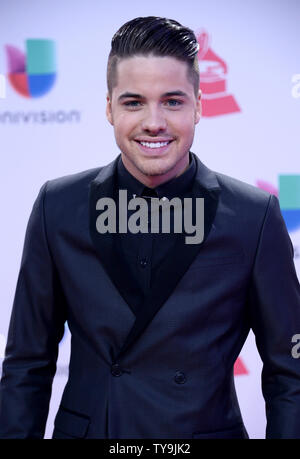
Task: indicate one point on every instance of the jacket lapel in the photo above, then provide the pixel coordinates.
(106, 245)
(169, 273)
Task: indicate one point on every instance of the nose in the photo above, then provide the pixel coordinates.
(154, 121)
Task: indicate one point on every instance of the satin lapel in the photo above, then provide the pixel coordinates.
(106, 245)
(169, 273)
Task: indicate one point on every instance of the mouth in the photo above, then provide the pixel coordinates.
(154, 147)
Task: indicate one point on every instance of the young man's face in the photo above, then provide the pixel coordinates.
(154, 110)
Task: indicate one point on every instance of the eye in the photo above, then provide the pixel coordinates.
(174, 102)
(132, 103)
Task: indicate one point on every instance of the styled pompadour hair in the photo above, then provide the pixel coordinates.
(154, 36)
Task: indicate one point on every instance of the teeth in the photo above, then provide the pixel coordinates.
(154, 144)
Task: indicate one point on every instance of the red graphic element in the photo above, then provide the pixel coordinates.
(267, 187)
(240, 368)
(19, 82)
(213, 69)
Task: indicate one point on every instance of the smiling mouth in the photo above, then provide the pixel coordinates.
(154, 145)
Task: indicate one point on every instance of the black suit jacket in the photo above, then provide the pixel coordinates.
(162, 368)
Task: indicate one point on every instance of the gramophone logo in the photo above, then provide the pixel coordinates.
(213, 81)
(32, 74)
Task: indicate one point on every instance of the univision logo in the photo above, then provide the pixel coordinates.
(32, 74)
(289, 198)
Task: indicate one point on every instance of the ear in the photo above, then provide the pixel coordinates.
(198, 111)
(109, 109)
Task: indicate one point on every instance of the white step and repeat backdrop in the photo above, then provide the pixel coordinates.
(54, 124)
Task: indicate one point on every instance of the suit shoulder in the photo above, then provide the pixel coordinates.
(242, 192)
(67, 196)
(233, 192)
(72, 182)
(63, 195)
(249, 204)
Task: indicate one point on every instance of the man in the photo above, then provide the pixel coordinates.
(156, 323)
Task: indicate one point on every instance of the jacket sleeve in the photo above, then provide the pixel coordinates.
(36, 327)
(275, 319)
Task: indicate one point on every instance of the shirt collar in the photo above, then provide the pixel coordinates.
(176, 187)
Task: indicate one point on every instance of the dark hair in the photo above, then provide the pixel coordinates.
(154, 36)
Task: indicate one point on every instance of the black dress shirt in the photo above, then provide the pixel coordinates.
(144, 251)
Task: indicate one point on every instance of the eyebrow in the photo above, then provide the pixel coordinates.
(132, 95)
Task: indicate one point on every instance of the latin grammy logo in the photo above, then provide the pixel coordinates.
(213, 71)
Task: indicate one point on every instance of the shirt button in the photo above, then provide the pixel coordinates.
(116, 370)
(179, 377)
(143, 263)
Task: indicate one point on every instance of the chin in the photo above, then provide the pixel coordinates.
(155, 169)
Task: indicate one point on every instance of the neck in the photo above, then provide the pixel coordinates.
(152, 181)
